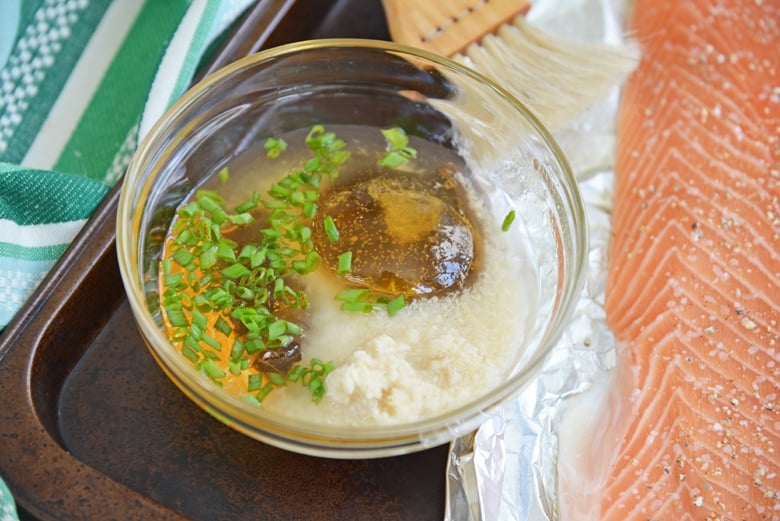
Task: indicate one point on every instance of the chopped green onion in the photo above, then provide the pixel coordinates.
(395, 305)
(247, 251)
(277, 379)
(237, 350)
(245, 293)
(218, 214)
(392, 159)
(277, 329)
(199, 320)
(255, 381)
(293, 328)
(300, 267)
(194, 335)
(234, 367)
(254, 346)
(220, 298)
(344, 263)
(296, 373)
(241, 218)
(310, 210)
(235, 271)
(225, 251)
(279, 191)
(330, 229)
(192, 342)
(249, 205)
(297, 198)
(224, 175)
(176, 317)
(190, 210)
(211, 342)
(398, 150)
(508, 220)
(304, 234)
(361, 307)
(312, 261)
(272, 204)
(353, 295)
(275, 147)
(258, 258)
(340, 157)
(173, 279)
(313, 134)
(396, 137)
(212, 370)
(264, 392)
(208, 258)
(312, 165)
(222, 326)
(189, 353)
(183, 257)
(316, 388)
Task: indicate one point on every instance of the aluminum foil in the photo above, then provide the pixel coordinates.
(506, 470)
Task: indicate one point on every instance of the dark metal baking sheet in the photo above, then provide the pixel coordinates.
(91, 429)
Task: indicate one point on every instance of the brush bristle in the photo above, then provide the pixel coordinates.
(557, 79)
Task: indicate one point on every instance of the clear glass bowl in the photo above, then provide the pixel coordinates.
(348, 81)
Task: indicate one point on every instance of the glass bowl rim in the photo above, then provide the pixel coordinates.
(311, 438)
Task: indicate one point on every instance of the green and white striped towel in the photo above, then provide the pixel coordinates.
(7, 504)
(80, 83)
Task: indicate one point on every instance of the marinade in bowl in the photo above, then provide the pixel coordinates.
(350, 248)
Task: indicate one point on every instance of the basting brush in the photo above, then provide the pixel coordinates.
(556, 78)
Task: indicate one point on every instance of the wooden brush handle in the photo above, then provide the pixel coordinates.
(447, 27)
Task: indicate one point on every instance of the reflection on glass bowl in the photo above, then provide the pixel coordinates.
(350, 248)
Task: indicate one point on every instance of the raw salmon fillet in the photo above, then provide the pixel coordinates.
(691, 430)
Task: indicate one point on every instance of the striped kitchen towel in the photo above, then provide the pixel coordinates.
(7, 504)
(80, 82)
